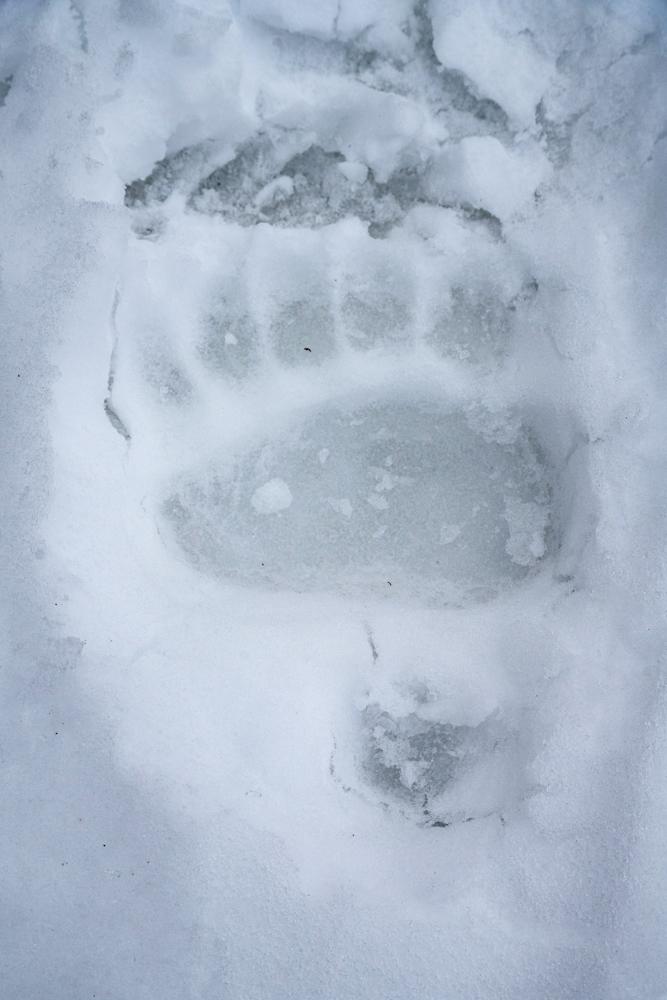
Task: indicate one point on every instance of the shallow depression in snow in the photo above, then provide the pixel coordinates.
(389, 497)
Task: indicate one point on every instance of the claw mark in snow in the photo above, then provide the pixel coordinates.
(371, 641)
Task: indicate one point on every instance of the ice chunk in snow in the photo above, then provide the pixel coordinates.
(482, 172)
(272, 497)
(379, 129)
(356, 173)
(281, 187)
(343, 507)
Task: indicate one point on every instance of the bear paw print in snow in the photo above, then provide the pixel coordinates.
(312, 346)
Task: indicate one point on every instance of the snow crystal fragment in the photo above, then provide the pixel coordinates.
(448, 533)
(380, 503)
(527, 523)
(386, 483)
(343, 507)
(272, 497)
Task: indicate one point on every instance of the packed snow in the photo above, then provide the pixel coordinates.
(334, 499)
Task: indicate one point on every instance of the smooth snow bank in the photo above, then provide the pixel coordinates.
(335, 518)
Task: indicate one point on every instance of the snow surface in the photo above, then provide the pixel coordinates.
(333, 499)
